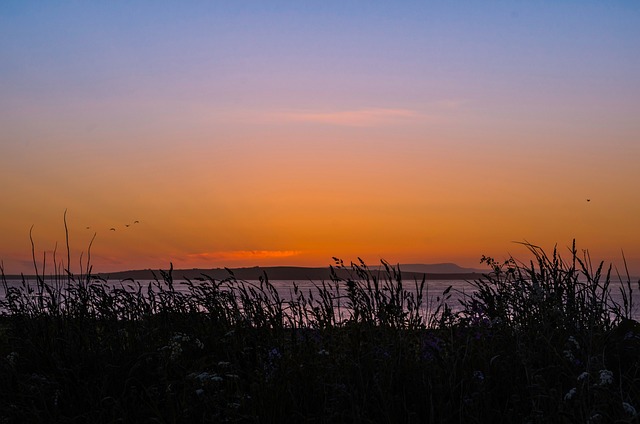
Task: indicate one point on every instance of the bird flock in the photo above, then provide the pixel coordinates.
(125, 225)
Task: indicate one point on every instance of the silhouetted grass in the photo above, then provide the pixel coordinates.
(537, 342)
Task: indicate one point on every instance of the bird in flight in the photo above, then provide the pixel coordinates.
(112, 229)
(127, 225)
(588, 200)
(136, 222)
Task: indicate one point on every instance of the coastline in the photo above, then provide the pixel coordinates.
(273, 273)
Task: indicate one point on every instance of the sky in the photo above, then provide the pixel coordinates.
(243, 133)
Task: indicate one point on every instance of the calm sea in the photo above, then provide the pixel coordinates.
(433, 289)
(285, 287)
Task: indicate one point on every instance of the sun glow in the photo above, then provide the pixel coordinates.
(290, 134)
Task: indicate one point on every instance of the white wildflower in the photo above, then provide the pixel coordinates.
(574, 342)
(12, 358)
(570, 394)
(323, 352)
(629, 409)
(274, 354)
(224, 364)
(37, 378)
(199, 392)
(584, 376)
(176, 349)
(595, 418)
(180, 337)
(606, 377)
(478, 375)
(176, 343)
(205, 377)
(569, 355)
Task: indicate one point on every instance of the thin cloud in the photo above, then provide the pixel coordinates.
(244, 254)
(352, 118)
(451, 104)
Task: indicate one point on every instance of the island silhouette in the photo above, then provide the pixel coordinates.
(439, 271)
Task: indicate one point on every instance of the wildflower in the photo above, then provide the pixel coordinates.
(274, 354)
(204, 377)
(570, 394)
(584, 376)
(272, 362)
(180, 337)
(595, 418)
(568, 355)
(176, 350)
(199, 392)
(606, 377)
(382, 351)
(431, 346)
(574, 342)
(12, 358)
(223, 364)
(176, 343)
(478, 375)
(629, 409)
(37, 378)
(323, 352)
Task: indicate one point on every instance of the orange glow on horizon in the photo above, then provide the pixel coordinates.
(238, 136)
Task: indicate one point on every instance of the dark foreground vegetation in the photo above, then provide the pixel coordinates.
(541, 342)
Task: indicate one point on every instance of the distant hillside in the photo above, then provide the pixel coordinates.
(443, 268)
(447, 271)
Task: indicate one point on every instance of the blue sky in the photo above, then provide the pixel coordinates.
(483, 116)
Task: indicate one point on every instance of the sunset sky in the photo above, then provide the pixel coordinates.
(243, 133)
